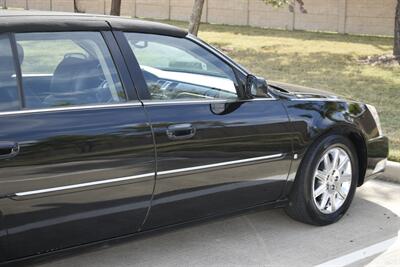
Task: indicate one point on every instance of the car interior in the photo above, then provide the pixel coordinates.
(80, 78)
(179, 69)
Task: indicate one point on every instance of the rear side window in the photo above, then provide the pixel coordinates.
(9, 97)
(67, 69)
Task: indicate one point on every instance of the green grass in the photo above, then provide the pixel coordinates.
(321, 60)
(38, 60)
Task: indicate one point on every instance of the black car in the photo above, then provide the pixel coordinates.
(113, 126)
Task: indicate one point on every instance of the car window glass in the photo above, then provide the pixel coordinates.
(9, 97)
(67, 69)
(177, 68)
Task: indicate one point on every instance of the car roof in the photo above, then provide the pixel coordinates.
(32, 21)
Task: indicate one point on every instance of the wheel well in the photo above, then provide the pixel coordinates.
(361, 148)
(359, 144)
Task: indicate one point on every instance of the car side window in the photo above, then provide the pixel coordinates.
(9, 96)
(177, 68)
(67, 69)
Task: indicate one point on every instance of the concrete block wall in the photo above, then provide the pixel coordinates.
(233, 12)
(375, 17)
(262, 15)
(17, 3)
(127, 8)
(181, 10)
(320, 16)
(92, 6)
(62, 5)
(157, 9)
(370, 16)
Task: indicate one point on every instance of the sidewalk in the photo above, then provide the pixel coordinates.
(392, 172)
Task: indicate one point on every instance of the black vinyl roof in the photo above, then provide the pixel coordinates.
(33, 21)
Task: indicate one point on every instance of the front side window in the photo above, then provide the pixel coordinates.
(67, 69)
(9, 97)
(177, 68)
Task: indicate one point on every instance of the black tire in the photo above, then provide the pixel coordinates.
(301, 204)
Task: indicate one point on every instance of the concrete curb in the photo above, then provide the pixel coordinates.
(392, 172)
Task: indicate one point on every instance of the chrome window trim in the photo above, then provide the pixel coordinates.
(205, 101)
(318, 99)
(185, 102)
(263, 99)
(71, 108)
(145, 175)
(126, 104)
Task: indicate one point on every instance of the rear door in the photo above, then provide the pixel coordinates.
(77, 154)
(216, 151)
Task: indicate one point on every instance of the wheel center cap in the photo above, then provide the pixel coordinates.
(332, 181)
(335, 175)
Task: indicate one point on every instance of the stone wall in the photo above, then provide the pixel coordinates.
(375, 17)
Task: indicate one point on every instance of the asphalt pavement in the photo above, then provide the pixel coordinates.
(366, 236)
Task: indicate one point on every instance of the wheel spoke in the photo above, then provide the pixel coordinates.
(345, 178)
(341, 193)
(324, 201)
(327, 162)
(335, 161)
(343, 164)
(321, 175)
(333, 202)
(321, 189)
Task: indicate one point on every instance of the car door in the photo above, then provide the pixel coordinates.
(77, 154)
(217, 151)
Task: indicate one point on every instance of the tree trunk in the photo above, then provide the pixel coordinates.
(116, 8)
(396, 48)
(76, 8)
(195, 17)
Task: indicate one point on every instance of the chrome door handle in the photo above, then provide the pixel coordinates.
(181, 131)
(8, 149)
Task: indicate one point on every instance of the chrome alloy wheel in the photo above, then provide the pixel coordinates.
(332, 180)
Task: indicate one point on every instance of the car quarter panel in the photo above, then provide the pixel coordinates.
(314, 117)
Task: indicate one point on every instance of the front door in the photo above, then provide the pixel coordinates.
(216, 152)
(77, 160)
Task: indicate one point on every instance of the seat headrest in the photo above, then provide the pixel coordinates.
(74, 74)
(63, 77)
(21, 53)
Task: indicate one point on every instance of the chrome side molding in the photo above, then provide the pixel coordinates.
(67, 187)
(145, 175)
(222, 164)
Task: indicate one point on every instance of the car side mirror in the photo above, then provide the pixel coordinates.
(256, 86)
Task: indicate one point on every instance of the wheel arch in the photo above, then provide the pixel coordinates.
(358, 140)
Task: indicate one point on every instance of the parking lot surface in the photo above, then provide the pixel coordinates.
(366, 236)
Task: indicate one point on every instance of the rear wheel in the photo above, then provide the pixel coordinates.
(325, 183)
